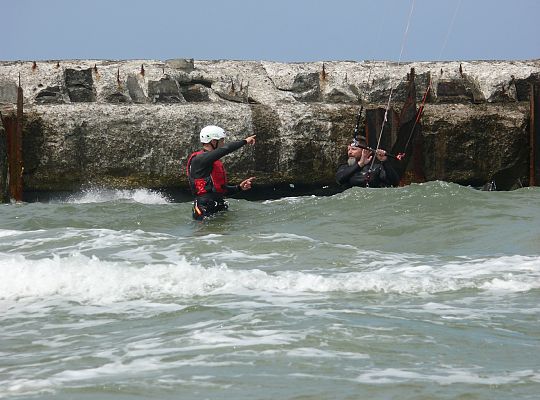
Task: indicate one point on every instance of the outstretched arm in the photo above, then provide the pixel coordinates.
(208, 157)
(214, 155)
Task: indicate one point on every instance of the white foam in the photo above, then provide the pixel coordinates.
(129, 245)
(445, 376)
(289, 200)
(118, 367)
(211, 339)
(285, 237)
(94, 195)
(6, 233)
(211, 238)
(89, 279)
(242, 256)
(309, 352)
(510, 284)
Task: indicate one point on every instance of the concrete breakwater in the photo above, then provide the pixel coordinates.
(127, 124)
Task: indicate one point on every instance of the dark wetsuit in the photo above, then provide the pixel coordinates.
(201, 167)
(382, 175)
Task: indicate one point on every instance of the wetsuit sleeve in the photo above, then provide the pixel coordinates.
(209, 157)
(201, 165)
(391, 175)
(345, 171)
(232, 189)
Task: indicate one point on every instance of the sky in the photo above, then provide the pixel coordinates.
(270, 30)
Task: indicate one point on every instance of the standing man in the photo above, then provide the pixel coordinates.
(206, 174)
(361, 171)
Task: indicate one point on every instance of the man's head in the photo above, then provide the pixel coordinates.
(359, 141)
(354, 150)
(212, 135)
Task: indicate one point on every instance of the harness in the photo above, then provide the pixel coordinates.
(373, 176)
(214, 183)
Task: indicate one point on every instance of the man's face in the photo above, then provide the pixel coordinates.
(353, 151)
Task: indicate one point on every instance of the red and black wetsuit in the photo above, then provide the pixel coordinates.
(208, 179)
(382, 175)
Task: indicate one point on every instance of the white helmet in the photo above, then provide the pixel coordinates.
(210, 132)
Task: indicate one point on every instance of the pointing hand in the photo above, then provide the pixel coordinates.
(250, 139)
(246, 184)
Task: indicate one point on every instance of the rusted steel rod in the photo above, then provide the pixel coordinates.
(16, 174)
(13, 126)
(534, 163)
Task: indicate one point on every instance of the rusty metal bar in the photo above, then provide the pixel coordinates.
(4, 196)
(10, 127)
(534, 164)
(409, 138)
(13, 126)
(17, 193)
(7, 123)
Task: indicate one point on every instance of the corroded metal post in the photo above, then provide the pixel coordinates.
(409, 138)
(4, 180)
(17, 192)
(401, 135)
(13, 128)
(534, 165)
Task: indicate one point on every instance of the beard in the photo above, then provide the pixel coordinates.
(351, 161)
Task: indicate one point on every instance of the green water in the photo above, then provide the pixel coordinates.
(423, 292)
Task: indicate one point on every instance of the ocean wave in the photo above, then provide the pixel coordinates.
(88, 279)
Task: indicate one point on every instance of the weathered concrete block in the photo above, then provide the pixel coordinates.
(165, 91)
(470, 144)
(306, 87)
(117, 98)
(184, 64)
(8, 92)
(135, 91)
(340, 96)
(452, 91)
(50, 95)
(195, 93)
(80, 85)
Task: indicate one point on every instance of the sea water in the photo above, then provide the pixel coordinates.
(429, 291)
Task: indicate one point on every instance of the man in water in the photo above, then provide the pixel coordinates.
(361, 170)
(206, 174)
